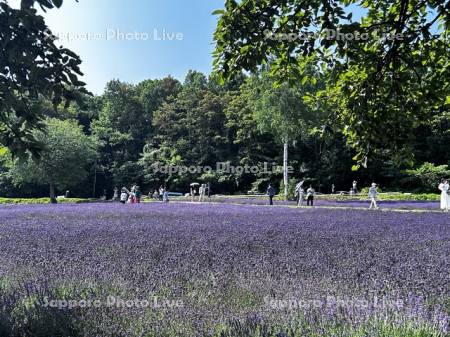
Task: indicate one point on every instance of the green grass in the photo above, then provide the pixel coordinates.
(301, 328)
(28, 201)
(389, 196)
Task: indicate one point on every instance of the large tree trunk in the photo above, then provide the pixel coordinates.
(53, 194)
(285, 169)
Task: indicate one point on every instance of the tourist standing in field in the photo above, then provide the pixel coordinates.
(301, 197)
(202, 192)
(116, 196)
(165, 197)
(299, 193)
(270, 193)
(137, 194)
(354, 189)
(310, 193)
(373, 193)
(444, 187)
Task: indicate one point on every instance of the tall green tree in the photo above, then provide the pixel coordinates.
(65, 159)
(122, 129)
(279, 110)
(192, 126)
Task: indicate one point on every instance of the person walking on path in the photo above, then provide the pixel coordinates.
(444, 187)
(270, 193)
(310, 193)
(373, 193)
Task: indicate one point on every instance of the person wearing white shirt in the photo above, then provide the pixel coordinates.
(310, 193)
(299, 193)
(445, 198)
(202, 193)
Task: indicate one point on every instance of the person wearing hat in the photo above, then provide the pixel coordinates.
(373, 193)
(299, 193)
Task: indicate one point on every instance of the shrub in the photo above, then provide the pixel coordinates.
(43, 200)
(426, 177)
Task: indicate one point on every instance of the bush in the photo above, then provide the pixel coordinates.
(426, 177)
(365, 190)
(291, 189)
(42, 200)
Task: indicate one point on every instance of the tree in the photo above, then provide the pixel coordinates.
(122, 128)
(64, 159)
(153, 93)
(279, 110)
(382, 85)
(191, 126)
(249, 144)
(31, 67)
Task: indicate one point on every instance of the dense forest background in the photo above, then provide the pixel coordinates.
(131, 128)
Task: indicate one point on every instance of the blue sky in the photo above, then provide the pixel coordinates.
(136, 60)
(95, 29)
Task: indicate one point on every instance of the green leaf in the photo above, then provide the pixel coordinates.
(218, 12)
(447, 100)
(304, 80)
(58, 3)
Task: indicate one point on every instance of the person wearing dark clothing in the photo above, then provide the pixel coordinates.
(137, 194)
(271, 194)
(310, 193)
(161, 193)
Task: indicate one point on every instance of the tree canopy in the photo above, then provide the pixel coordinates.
(387, 76)
(65, 158)
(32, 68)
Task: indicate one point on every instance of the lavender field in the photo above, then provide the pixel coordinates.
(185, 269)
